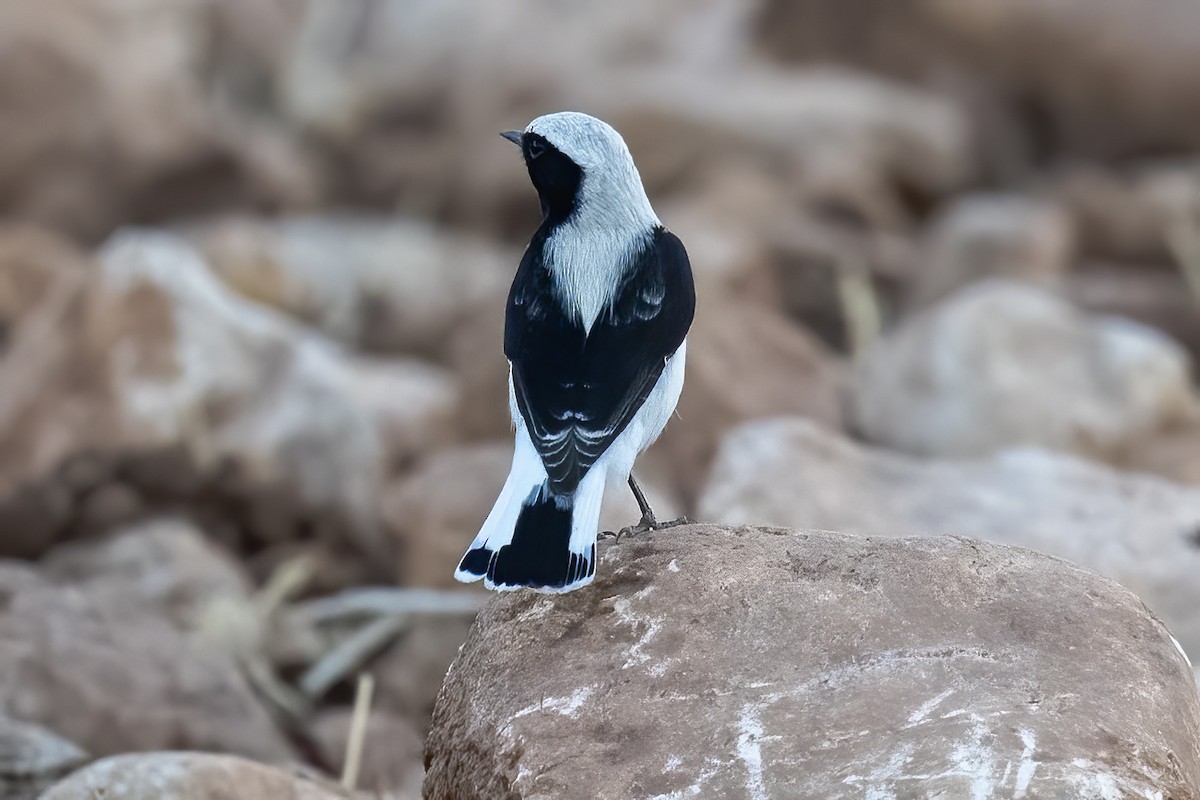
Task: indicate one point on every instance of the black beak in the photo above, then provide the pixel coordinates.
(514, 136)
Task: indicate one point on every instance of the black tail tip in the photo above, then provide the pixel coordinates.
(475, 563)
(516, 568)
(513, 568)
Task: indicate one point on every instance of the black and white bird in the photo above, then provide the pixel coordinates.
(595, 338)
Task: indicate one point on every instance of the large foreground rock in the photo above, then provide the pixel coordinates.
(1001, 363)
(113, 676)
(188, 776)
(751, 662)
(1137, 529)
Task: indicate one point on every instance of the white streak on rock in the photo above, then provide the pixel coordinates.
(975, 760)
(918, 716)
(1098, 784)
(692, 791)
(651, 626)
(750, 733)
(567, 706)
(1028, 765)
(1182, 652)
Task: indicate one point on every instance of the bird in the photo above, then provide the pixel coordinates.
(595, 333)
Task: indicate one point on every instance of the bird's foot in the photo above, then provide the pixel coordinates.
(647, 523)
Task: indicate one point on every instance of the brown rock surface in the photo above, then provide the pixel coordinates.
(476, 355)
(380, 283)
(1134, 528)
(752, 662)
(112, 676)
(164, 388)
(994, 235)
(435, 511)
(1001, 363)
(188, 776)
(31, 758)
(166, 563)
(1103, 77)
(414, 404)
(108, 118)
(32, 262)
(1157, 297)
(1127, 214)
(391, 761)
(1175, 455)
(744, 362)
(410, 673)
(370, 79)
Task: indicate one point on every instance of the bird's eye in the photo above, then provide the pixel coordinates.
(535, 148)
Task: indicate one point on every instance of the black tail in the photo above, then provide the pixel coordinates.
(539, 555)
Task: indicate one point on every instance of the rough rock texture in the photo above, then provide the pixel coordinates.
(1159, 298)
(188, 776)
(743, 362)
(1142, 531)
(1127, 214)
(751, 662)
(475, 353)
(370, 80)
(32, 260)
(413, 404)
(160, 387)
(377, 282)
(1002, 363)
(1175, 455)
(108, 117)
(994, 236)
(31, 758)
(391, 760)
(167, 563)
(411, 671)
(1101, 77)
(835, 137)
(113, 677)
(435, 511)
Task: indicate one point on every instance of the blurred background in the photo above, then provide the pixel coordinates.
(253, 261)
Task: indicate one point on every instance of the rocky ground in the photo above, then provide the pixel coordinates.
(253, 257)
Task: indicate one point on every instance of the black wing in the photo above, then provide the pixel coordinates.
(578, 392)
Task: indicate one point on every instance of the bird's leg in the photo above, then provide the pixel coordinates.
(648, 521)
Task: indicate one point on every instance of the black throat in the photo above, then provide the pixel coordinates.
(555, 176)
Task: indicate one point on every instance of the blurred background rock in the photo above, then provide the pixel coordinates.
(253, 260)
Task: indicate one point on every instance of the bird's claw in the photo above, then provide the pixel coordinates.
(647, 523)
